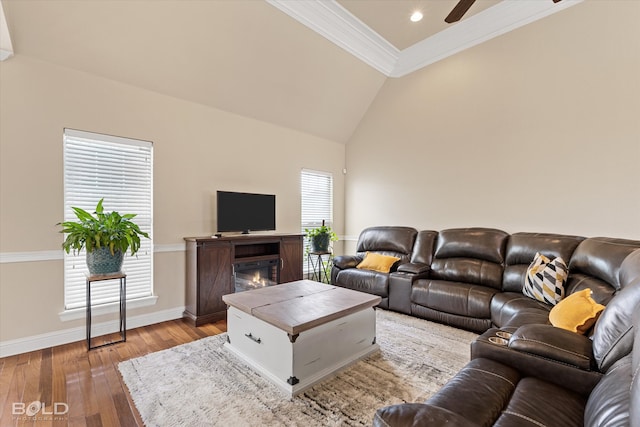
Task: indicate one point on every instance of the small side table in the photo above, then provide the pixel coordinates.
(123, 306)
(315, 264)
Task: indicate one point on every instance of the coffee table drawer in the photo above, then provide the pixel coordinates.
(296, 363)
(262, 343)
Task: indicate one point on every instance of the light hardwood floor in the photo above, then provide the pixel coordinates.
(88, 382)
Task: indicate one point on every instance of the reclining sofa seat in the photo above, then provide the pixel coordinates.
(384, 240)
(487, 392)
(511, 307)
(466, 273)
(593, 263)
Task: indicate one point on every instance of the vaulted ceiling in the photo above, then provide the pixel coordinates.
(317, 73)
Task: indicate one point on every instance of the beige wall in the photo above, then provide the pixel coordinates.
(197, 150)
(536, 130)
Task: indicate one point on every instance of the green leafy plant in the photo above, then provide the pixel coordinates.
(105, 229)
(320, 238)
(323, 229)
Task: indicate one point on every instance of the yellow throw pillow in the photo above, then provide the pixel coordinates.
(377, 262)
(576, 313)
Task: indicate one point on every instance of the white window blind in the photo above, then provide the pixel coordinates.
(120, 170)
(317, 199)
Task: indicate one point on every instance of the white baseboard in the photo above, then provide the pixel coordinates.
(65, 336)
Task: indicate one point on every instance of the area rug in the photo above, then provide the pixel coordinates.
(203, 384)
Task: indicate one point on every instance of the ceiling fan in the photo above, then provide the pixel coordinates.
(461, 8)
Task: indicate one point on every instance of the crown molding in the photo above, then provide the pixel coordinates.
(492, 22)
(6, 48)
(329, 19)
(334, 22)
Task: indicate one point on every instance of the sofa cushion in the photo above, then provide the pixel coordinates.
(512, 309)
(377, 262)
(468, 270)
(473, 324)
(522, 248)
(596, 265)
(387, 240)
(419, 414)
(577, 313)
(479, 391)
(453, 297)
(556, 344)
(539, 403)
(371, 282)
(545, 279)
(490, 393)
(480, 243)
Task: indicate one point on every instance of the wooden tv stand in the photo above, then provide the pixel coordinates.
(209, 268)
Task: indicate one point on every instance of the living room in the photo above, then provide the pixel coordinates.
(534, 130)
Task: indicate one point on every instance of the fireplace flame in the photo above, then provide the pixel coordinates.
(257, 279)
(253, 279)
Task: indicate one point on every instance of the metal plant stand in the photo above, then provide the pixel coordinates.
(320, 271)
(123, 306)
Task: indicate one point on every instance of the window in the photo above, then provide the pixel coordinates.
(317, 200)
(120, 171)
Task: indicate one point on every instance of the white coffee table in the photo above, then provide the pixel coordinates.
(299, 333)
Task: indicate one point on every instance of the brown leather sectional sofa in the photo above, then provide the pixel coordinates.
(544, 376)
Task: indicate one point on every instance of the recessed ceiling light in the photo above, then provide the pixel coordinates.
(416, 16)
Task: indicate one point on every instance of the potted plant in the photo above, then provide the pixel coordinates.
(106, 236)
(320, 237)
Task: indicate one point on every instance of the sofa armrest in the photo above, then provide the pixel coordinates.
(546, 368)
(346, 261)
(400, 285)
(414, 268)
(554, 343)
(418, 414)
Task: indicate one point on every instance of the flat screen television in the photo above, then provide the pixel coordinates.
(246, 212)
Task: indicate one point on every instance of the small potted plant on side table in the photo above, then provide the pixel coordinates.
(320, 238)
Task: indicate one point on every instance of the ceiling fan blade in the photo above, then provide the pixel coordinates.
(459, 11)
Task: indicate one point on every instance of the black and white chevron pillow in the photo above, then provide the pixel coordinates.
(545, 279)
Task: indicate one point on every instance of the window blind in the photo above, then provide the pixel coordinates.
(317, 200)
(120, 170)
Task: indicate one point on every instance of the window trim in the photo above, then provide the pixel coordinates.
(328, 221)
(71, 307)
